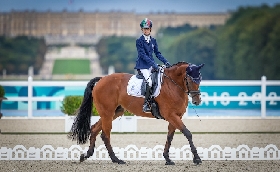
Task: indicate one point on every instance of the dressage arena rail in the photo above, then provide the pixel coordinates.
(265, 96)
(131, 152)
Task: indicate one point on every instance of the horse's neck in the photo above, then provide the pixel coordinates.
(176, 77)
(176, 84)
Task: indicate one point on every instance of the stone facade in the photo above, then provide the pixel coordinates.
(64, 23)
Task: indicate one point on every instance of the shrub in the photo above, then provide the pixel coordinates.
(127, 113)
(2, 91)
(70, 104)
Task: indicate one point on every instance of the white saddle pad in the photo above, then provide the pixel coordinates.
(134, 86)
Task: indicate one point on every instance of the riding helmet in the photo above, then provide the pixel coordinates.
(146, 23)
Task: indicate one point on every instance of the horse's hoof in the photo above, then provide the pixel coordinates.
(82, 158)
(121, 162)
(197, 161)
(170, 163)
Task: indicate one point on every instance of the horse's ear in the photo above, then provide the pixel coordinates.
(189, 69)
(200, 66)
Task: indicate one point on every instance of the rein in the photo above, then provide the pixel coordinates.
(187, 84)
(187, 92)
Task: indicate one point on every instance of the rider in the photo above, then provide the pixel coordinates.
(145, 62)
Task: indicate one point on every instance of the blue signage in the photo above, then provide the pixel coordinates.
(39, 91)
(238, 91)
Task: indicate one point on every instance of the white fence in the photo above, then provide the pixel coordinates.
(131, 152)
(260, 96)
(120, 124)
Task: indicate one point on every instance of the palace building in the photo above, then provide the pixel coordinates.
(82, 24)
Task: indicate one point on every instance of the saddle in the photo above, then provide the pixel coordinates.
(154, 78)
(155, 82)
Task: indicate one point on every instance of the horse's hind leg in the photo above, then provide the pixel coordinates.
(106, 130)
(171, 131)
(95, 129)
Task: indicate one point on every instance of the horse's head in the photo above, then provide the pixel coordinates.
(193, 79)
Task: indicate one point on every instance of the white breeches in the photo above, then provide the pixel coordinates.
(147, 74)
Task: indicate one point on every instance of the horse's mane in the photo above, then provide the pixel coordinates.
(180, 63)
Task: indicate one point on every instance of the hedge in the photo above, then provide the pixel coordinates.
(70, 104)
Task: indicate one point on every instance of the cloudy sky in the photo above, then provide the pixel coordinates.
(139, 6)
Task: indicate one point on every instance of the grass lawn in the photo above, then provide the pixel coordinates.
(71, 66)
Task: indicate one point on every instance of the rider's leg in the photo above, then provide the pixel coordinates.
(146, 105)
(147, 74)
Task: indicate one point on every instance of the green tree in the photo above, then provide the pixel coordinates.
(167, 36)
(19, 53)
(246, 47)
(196, 47)
(119, 52)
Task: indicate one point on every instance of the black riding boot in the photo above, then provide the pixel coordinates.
(146, 105)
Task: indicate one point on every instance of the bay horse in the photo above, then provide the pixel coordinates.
(109, 94)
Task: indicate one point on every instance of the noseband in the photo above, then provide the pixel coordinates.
(189, 92)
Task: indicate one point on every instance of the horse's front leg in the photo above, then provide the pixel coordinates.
(95, 129)
(170, 134)
(177, 122)
(188, 134)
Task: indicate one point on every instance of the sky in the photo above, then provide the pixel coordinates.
(138, 6)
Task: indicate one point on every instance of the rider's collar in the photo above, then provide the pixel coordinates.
(147, 38)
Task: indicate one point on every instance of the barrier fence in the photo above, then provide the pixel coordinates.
(131, 152)
(221, 94)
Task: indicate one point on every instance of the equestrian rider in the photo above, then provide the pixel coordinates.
(145, 62)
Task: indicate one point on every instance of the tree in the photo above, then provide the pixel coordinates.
(196, 47)
(246, 49)
(119, 52)
(19, 53)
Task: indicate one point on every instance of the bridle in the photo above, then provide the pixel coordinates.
(195, 92)
(189, 92)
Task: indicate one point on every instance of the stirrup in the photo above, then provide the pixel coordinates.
(146, 108)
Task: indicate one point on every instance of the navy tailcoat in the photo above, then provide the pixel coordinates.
(145, 53)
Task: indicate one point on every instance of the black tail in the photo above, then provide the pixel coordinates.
(80, 130)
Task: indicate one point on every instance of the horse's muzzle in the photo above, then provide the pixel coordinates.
(196, 101)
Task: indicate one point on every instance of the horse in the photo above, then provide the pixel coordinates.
(109, 95)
